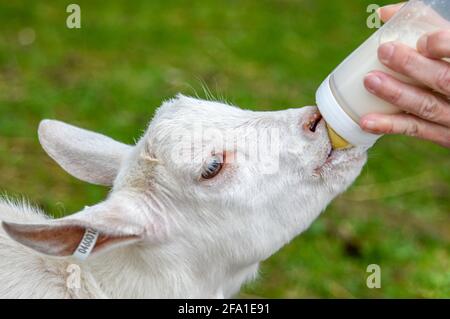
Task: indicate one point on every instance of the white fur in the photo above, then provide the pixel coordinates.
(198, 238)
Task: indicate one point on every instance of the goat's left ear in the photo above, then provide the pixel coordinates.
(93, 230)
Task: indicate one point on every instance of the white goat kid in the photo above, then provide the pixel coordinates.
(192, 226)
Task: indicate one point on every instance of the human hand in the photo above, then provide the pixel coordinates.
(427, 108)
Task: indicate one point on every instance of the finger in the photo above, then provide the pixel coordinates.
(387, 12)
(406, 124)
(409, 98)
(405, 60)
(435, 45)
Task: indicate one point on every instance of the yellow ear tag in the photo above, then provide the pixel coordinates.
(337, 142)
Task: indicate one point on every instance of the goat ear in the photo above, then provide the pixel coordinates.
(95, 229)
(88, 156)
(64, 240)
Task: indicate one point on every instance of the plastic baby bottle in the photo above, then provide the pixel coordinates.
(342, 98)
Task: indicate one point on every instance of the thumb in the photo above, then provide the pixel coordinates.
(387, 12)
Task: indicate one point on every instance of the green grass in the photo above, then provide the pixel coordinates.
(129, 56)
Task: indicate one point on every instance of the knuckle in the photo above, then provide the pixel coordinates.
(391, 128)
(429, 108)
(408, 61)
(412, 129)
(443, 80)
(396, 95)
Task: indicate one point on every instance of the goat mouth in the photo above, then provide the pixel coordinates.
(329, 157)
(326, 162)
(330, 153)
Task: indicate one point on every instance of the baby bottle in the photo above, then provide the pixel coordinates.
(342, 98)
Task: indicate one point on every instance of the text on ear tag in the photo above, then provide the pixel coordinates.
(86, 245)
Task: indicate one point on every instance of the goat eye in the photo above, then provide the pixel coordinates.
(212, 167)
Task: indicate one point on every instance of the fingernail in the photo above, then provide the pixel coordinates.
(379, 12)
(422, 44)
(389, 6)
(369, 124)
(385, 52)
(372, 82)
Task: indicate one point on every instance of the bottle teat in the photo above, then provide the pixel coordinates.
(337, 142)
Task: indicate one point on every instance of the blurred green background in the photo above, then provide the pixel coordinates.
(111, 74)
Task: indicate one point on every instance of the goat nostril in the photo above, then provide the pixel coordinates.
(314, 121)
